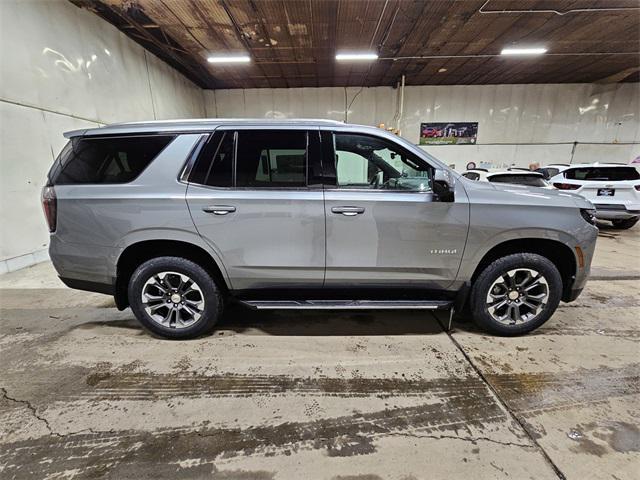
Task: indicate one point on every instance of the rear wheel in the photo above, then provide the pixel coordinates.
(516, 294)
(175, 298)
(626, 223)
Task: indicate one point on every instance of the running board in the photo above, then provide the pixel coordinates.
(348, 304)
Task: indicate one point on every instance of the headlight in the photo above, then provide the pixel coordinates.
(589, 214)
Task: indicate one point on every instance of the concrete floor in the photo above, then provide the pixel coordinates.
(86, 393)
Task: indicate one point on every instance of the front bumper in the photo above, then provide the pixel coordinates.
(572, 295)
(586, 244)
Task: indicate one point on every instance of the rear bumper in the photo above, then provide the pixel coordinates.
(616, 211)
(616, 214)
(105, 288)
(77, 262)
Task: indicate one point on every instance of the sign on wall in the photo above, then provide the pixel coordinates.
(454, 133)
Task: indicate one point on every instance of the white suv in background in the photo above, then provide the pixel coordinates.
(613, 188)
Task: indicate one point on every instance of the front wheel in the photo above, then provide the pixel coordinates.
(625, 224)
(516, 294)
(174, 298)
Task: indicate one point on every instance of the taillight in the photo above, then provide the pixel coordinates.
(50, 206)
(566, 186)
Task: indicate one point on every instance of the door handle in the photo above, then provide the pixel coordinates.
(348, 211)
(219, 209)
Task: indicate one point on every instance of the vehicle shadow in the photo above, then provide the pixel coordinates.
(243, 320)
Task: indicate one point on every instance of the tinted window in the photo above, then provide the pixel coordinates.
(471, 175)
(107, 160)
(548, 172)
(374, 163)
(271, 158)
(529, 180)
(214, 166)
(610, 174)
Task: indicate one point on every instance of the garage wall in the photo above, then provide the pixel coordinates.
(518, 124)
(66, 69)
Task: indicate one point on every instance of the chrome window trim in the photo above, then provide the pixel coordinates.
(185, 172)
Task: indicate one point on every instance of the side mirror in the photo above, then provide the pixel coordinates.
(444, 185)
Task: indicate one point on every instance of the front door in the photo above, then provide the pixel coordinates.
(251, 200)
(384, 227)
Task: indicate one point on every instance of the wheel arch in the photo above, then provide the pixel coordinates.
(559, 253)
(137, 253)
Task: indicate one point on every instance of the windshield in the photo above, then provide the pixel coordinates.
(609, 174)
(529, 180)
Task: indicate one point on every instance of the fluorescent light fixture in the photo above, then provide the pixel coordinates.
(523, 51)
(356, 56)
(229, 59)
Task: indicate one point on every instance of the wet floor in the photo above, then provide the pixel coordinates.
(85, 393)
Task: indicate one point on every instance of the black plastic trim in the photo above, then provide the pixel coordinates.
(104, 288)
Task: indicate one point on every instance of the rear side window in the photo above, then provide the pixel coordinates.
(271, 158)
(106, 160)
(215, 164)
(609, 174)
(529, 180)
(548, 172)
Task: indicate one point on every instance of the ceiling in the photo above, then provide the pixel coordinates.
(292, 43)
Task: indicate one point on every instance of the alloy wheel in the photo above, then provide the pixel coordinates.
(173, 300)
(517, 296)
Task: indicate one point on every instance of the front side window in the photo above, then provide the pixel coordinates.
(87, 160)
(369, 162)
(271, 158)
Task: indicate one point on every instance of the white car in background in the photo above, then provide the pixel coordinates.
(512, 176)
(614, 189)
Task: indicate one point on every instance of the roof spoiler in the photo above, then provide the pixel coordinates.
(75, 133)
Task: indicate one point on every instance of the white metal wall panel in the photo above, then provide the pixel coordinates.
(64, 68)
(518, 124)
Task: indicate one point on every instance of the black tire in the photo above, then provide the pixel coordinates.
(207, 290)
(625, 224)
(497, 269)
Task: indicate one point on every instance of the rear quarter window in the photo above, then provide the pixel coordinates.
(88, 160)
(529, 180)
(608, 174)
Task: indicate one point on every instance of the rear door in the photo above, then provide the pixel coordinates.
(253, 198)
(384, 227)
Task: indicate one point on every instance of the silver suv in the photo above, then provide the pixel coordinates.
(178, 218)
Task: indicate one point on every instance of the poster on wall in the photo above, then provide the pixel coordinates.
(453, 133)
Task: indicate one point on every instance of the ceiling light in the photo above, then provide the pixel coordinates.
(523, 51)
(229, 59)
(357, 56)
